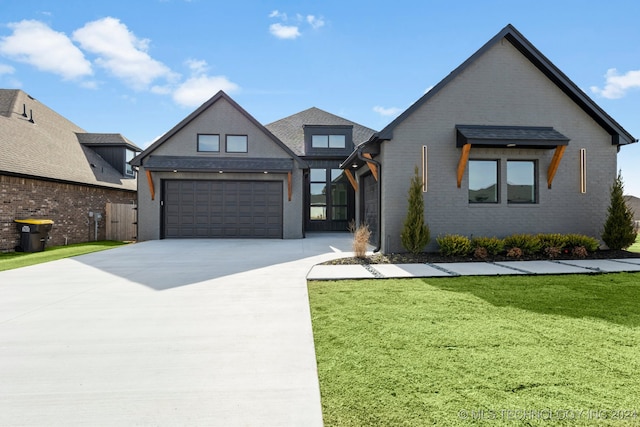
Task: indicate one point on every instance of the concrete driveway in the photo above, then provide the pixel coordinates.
(171, 332)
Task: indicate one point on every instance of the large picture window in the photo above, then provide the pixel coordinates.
(210, 143)
(521, 181)
(483, 181)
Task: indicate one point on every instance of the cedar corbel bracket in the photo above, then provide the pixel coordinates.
(372, 166)
(462, 163)
(151, 188)
(289, 184)
(351, 179)
(555, 162)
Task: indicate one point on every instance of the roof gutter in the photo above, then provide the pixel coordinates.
(379, 210)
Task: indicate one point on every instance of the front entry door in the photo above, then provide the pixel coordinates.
(331, 200)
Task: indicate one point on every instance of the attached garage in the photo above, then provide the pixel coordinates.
(222, 209)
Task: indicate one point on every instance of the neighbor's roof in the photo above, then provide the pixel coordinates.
(290, 130)
(106, 140)
(618, 134)
(48, 147)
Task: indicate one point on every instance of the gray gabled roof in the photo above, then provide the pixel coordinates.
(47, 147)
(618, 134)
(137, 161)
(290, 129)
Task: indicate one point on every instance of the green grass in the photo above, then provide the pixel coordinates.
(636, 246)
(13, 260)
(419, 351)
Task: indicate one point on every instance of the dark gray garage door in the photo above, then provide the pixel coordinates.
(222, 209)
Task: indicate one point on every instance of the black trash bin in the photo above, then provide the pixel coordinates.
(33, 234)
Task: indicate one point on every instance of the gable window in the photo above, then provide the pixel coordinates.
(128, 169)
(521, 181)
(328, 141)
(483, 181)
(208, 143)
(236, 144)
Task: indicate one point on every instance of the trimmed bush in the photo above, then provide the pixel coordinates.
(589, 243)
(454, 245)
(515, 253)
(527, 243)
(493, 245)
(480, 253)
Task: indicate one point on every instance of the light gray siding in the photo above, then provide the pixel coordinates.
(501, 87)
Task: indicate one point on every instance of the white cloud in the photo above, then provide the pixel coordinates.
(197, 66)
(197, 89)
(284, 31)
(616, 85)
(315, 22)
(277, 14)
(428, 89)
(121, 52)
(34, 43)
(392, 111)
(6, 69)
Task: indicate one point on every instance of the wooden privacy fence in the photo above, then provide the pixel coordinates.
(121, 220)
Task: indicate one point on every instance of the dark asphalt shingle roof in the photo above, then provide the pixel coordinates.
(49, 148)
(106, 139)
(290, 130)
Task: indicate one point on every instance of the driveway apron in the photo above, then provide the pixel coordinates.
(170, 332)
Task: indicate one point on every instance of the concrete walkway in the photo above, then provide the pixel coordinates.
(381, 271)
(164, 333)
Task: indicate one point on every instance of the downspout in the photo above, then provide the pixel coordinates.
(379, 166)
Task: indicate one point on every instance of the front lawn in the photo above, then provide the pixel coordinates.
(484, 350)
(636, 246)
(11, 260)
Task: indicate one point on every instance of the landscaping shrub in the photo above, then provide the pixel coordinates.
(552, 251)
(589, 243)
(481, 253)
(580, 252)
(361, 236)
(454, 245)
(552, 240)
(415, 233)
(515, 253)
(619, 229)
(493, 245)
(527, 243)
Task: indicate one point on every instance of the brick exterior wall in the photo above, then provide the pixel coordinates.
(68, 205)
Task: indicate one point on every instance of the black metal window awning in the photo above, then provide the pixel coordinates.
(509, 136)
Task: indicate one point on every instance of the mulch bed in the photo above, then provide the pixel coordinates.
(433, 257)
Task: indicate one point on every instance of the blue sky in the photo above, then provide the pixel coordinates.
(138, 68)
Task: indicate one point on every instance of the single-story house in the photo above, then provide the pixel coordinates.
(505, 144)
(220, 173)
(52, 169)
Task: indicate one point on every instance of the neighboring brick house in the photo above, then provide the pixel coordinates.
(505, 144)
(50, 168)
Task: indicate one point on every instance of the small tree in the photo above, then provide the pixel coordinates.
(619, 231)
(415, 233)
